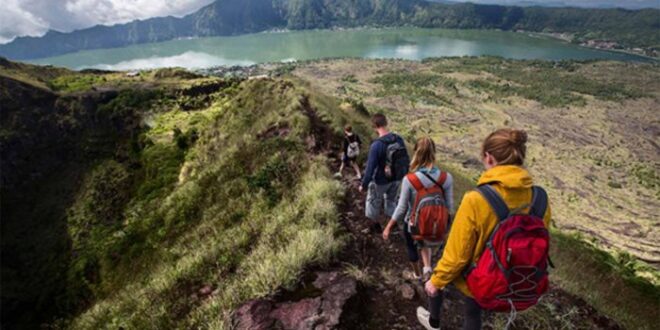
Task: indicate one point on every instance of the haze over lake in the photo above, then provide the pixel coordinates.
(405, 43)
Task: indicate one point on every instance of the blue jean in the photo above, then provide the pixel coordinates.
(382, 198)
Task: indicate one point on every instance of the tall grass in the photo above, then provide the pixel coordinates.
(243, 213)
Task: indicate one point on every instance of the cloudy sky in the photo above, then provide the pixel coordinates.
(35, 17)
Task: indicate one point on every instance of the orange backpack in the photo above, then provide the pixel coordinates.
(429, 217)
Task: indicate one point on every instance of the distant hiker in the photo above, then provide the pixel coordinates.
(352, 144)
(387, 164)
(424, 205)
(508, 215)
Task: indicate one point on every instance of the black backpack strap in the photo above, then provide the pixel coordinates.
(539, 202)
(496, 202)
(387, 139)
(442, 178)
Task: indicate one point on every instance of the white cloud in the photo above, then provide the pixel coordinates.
(35, 17)
(188, 60)
(14, 21)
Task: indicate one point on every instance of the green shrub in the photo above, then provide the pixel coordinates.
(160, 169)
(349, 78)
(96, 214)
(75, 82)
(131, 100)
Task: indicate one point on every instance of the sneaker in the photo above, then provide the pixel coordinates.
(423, 318)
(410, 275)
(338, 175)
(427, 275)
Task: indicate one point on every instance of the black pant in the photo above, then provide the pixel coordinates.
(411, 247)
(471, 312)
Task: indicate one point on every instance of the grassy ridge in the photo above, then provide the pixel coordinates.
(245, 210)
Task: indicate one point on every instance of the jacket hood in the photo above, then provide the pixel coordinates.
(509, 176)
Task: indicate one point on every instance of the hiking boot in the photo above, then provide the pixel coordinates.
(423, 318)
(376, 228)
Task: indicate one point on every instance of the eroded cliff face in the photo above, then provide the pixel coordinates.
(48, 143)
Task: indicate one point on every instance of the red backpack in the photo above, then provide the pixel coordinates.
(429, 216)
(511, 274)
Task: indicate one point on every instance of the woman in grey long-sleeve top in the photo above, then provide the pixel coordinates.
(423, 164)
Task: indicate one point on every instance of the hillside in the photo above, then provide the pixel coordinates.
(594, 128)
(174, 200)
(627, 29)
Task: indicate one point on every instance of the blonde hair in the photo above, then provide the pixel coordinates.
(424, 153)
(507, 146)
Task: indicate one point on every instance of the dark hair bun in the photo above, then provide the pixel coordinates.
(518, 137)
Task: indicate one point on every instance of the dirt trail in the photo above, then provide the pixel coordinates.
(382, 301)
(387, 300)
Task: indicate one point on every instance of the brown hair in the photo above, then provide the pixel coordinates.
(348, 128)
(424, 153)
(507, 146)
(379, 120)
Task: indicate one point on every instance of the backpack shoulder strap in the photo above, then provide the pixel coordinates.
(415, 181)
(496, 202)
(539, 202)
(387, 139)
(441, 179)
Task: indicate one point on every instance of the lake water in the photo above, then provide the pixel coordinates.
(405, 43)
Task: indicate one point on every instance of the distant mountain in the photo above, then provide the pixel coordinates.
(635, 4)
(232, 17)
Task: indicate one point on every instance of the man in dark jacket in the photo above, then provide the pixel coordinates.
(387, 164)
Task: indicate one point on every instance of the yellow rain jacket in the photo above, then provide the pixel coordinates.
(475, 220)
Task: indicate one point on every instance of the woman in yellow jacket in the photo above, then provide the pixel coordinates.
(503, 155)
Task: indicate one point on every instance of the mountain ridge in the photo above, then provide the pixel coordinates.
(233, 17)
(115, 217)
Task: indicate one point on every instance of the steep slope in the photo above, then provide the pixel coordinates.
(71, 162)
(230, 17)
(161, 184)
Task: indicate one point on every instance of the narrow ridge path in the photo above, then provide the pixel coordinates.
(385, 300)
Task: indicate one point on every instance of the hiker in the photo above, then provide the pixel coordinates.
(352, 144)
(387, 164)
(424, 175)
(509, 215)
